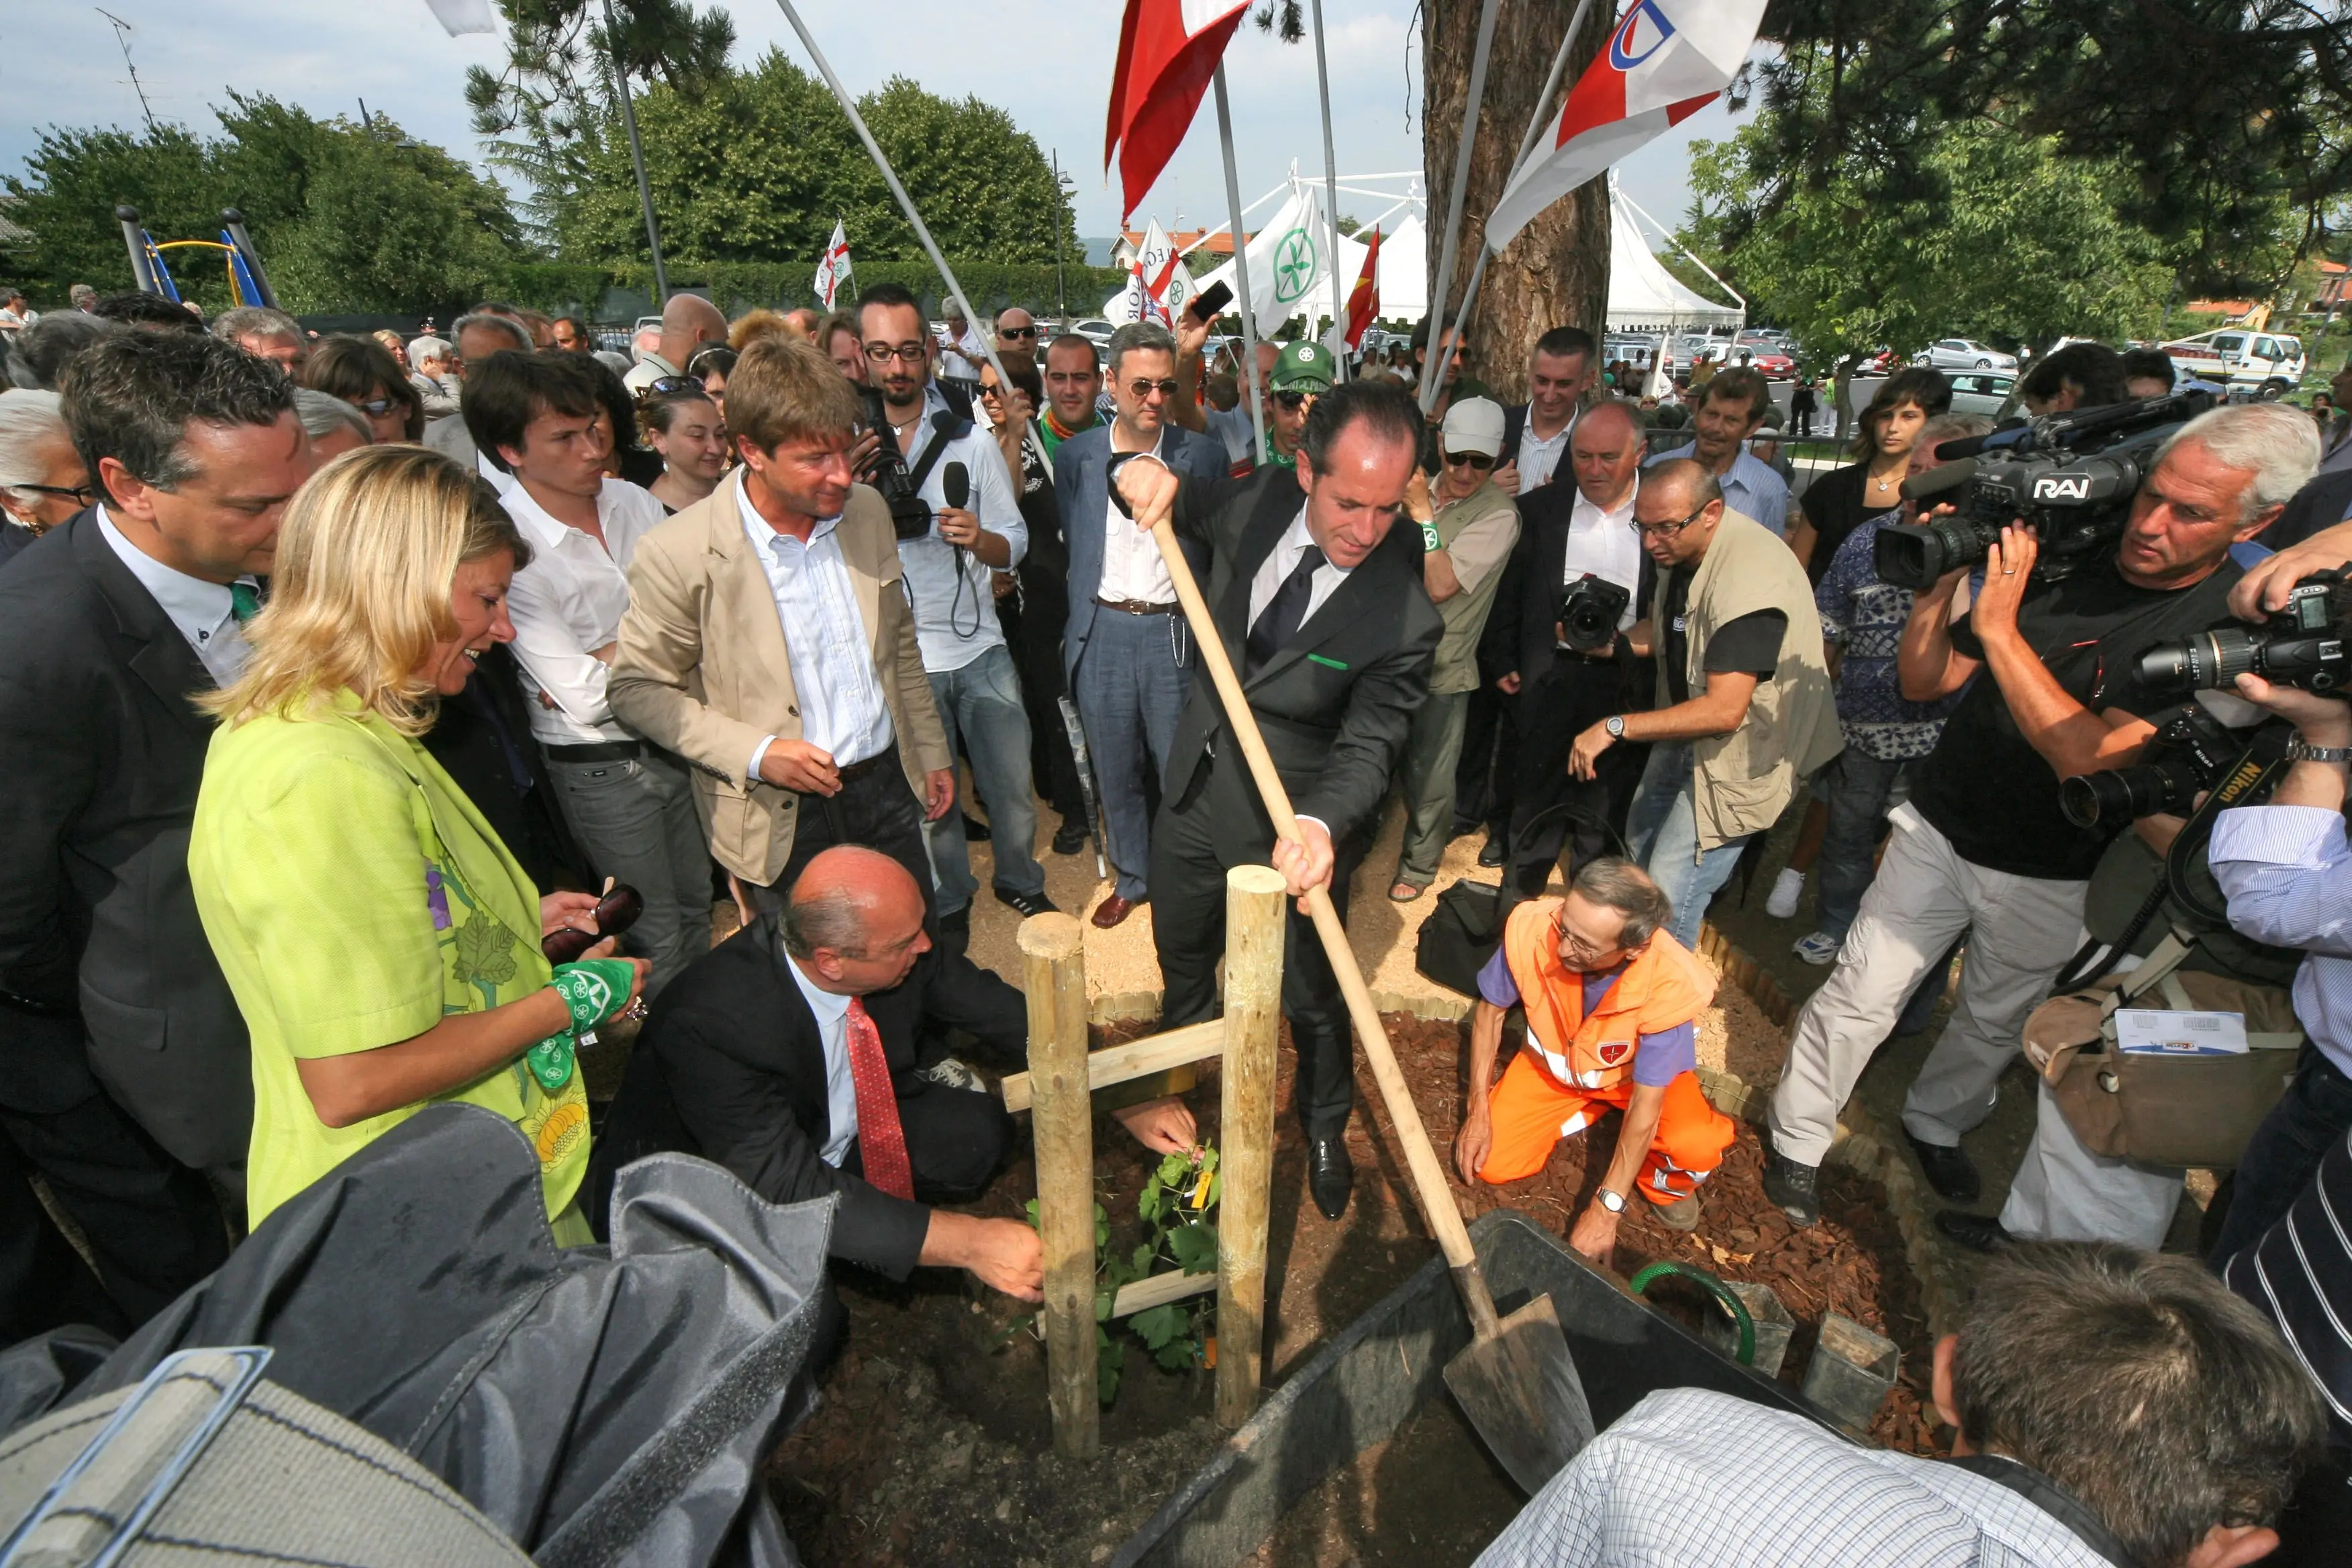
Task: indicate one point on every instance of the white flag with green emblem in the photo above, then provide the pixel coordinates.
(1290, 263)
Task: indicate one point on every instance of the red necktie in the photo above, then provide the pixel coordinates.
(881, 1142)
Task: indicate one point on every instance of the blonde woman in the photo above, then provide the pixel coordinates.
(383, 943)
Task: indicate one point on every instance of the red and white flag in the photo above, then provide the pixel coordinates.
(1364, 299)
(1158, 285)
(832, 267)
(1665, 60)
(1168, 51)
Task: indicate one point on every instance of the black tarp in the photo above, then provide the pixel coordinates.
(605, 1406)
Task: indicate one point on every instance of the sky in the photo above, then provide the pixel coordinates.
(1049, 65)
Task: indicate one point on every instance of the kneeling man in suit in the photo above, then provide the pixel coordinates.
(1320, 601)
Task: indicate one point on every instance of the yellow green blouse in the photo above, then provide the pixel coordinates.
(354, 897)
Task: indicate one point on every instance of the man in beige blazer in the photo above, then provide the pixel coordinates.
(768, 641)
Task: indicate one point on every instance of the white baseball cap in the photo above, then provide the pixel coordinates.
(1474, 424)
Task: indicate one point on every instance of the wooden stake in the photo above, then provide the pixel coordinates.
(1054, 974)
(1256, 917)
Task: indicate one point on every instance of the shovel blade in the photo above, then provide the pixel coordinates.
(1521, 1393)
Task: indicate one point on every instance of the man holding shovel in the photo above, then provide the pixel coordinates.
(1319, 601)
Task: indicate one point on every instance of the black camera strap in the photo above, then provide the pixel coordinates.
(945, 427)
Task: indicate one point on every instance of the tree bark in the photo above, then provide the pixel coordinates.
(1555, 273)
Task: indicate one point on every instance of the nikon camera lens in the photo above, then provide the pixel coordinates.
(2126, 794)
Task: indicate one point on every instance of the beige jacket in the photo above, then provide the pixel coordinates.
(704, 671)
(1741, 782)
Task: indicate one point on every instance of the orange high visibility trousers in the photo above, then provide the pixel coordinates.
(1532, 1111)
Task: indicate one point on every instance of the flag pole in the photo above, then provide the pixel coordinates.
(637, 158)
(1330, 191)
(1240, 266)
(1430, 381)
(1527, 148)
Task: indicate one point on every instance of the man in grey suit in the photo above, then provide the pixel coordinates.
(1126, 645)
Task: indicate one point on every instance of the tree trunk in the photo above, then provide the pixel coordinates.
(1555, 273)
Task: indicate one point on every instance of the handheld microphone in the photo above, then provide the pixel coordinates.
(1936, 481)
(955, 485)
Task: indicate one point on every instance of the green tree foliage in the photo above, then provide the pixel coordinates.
(756, 165)
(348, 217)
(1992, 233)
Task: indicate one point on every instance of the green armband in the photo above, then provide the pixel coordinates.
(594, 989)
(1429, 540)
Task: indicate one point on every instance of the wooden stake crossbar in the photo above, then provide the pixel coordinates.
(1058, 1092)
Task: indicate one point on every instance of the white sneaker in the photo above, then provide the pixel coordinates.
(1787, 889)
(1819, 950)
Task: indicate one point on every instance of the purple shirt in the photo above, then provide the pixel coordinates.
(1658, 1059)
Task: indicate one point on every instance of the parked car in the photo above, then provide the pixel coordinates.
(2265, 364)
(1765, 358)
(1964, 353)
(1094, 328)
(1986, 391)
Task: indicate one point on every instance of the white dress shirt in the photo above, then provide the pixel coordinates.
(204, 612)
(1283, 559)
(834, 682)
(1132, 567)
(832, 1014)
(1605, 543)
(569, 600)
(951, 594)
(1539, 460)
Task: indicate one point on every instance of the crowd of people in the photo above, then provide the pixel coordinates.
(389, 717)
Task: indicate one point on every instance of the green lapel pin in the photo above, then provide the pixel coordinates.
(1331, 663)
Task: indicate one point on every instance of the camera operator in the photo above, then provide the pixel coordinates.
(2080, 376)
(1983, 845)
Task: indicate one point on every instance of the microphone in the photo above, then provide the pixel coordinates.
(955, 485)
(1936, 481)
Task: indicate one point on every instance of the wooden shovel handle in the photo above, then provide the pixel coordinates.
(1436, 1199)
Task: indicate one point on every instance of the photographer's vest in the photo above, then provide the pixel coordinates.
(1456, 666)
(1663, 985)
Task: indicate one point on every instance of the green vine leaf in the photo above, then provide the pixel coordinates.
(1195, 1248)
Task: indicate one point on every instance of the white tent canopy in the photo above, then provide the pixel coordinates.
(1403, 272)
(1643, 297)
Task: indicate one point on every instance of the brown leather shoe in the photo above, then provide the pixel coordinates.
(1113, 909)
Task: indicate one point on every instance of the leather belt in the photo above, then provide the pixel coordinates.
(600, 751)
(859, 770)
(1136, 606)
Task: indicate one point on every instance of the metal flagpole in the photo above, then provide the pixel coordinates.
(1428, 371)
(636, 157)
(1241, 267)
(1331, 191)
(1526, 147)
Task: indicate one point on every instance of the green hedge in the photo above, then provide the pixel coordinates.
(990, 285)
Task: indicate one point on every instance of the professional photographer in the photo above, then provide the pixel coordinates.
(1984, 845)
(973, 523)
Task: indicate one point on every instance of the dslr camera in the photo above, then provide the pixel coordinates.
(2069, 477)
(2184, 759)
(1590, 609)
(2301, 645)
(910, 515)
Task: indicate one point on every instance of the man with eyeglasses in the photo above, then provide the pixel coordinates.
(1302, 373)
(1744, 709)
(43, 482)
(1613, 1003)
(948, 581)
(1126, 647)
(1467, 527)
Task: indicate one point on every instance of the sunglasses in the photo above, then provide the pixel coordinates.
(1016, 332)
(375, 407)
(883, 354)
(1667, 530)
(1479, 460)
(1142, 390)
(86, 494)
(1293, 401)
(664, 386)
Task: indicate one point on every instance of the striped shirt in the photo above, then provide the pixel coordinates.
(2300, 1273)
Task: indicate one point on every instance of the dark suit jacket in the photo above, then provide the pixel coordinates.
(1337, 700)
(2318, 505)
(105, 752)
(1527, 603)
(1081, 493)
(731, 1067)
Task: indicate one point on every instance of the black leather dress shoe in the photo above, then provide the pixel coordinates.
(1948, 1170)
(1330, 1174)
(1491, 854)
(1070, 838)
(1028, 903)
(1976, 1232)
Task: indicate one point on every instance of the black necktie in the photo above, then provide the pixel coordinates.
(1283, 613)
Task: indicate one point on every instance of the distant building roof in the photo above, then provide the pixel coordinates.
(12, 236)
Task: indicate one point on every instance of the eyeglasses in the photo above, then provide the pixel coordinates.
(86, 494)
(1141, 391)
(1666, 530)
(1293, 401)
(883, 354)
(1478, 461)
(1577, 940)
(1016, 332)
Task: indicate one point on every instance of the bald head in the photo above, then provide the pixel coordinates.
(688, 322)
(1604, 451)
(855, 921)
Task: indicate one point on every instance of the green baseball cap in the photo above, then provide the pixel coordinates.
(1302, 367)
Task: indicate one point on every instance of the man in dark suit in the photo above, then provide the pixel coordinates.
(757, 1057)
(1320, 602)
(2321, 504)
(127, 1067)
(1125, 645)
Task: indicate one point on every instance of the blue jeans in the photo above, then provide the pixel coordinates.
(1131, 688)
(1662, 832)
(2284, 1155)
(1860, 785)
(982, 702)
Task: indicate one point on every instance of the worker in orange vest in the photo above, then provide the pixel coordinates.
(1613, 1001)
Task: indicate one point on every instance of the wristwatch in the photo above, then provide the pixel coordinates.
(1613, 1202)
(2299, 750)
(1615, 725)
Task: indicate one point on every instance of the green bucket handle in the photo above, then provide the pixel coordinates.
(1722, 1293)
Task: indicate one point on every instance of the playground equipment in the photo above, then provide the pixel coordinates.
(247, 283)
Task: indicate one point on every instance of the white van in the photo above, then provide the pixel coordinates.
(2269, 364)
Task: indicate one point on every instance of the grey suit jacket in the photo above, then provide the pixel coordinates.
(1079, 489)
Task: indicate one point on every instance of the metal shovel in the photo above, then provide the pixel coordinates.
(1516, 1381)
